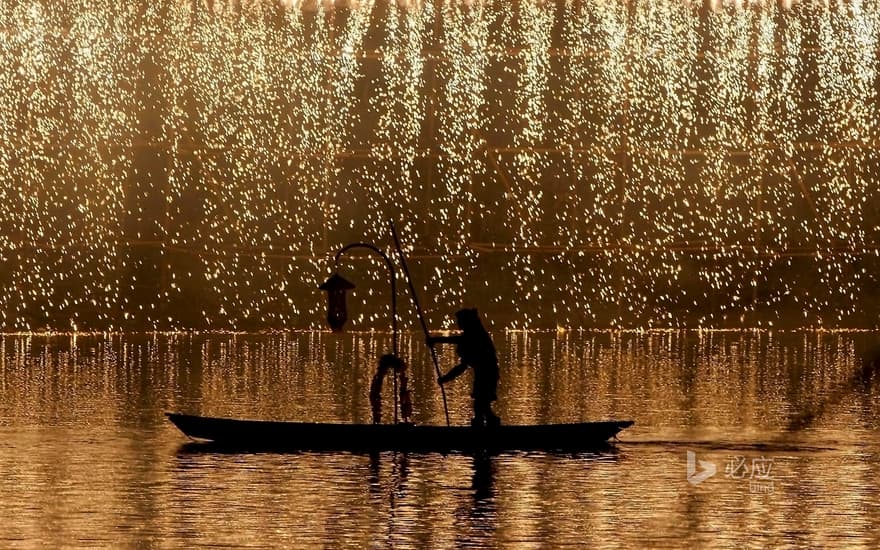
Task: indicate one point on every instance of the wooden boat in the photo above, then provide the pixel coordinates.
(271, 435)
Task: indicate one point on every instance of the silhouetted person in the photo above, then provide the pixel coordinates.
(396, 365)
(406, 408)
(476, 350)
(376, 392)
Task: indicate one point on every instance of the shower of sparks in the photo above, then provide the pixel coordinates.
(569, 163)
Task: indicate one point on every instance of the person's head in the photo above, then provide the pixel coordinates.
(468, 319)
(390, 361)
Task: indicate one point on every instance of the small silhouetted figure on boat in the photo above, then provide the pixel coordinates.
(406, 407)
(395, 364)
(475, 350)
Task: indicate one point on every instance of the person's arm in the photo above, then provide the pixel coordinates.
(456, 371)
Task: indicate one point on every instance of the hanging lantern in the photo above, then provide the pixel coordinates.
(336, 287)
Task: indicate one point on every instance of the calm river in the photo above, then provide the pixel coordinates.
(88, 459)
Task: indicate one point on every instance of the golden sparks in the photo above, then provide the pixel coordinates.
(569, 163)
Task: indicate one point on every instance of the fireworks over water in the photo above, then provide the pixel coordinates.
(557, 164)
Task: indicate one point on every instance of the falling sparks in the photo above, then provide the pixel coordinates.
(644, 163)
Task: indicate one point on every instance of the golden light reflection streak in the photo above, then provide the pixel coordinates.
(252, 114)
(461, 87)
(524, 200)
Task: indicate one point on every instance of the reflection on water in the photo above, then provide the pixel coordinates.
(89, 460)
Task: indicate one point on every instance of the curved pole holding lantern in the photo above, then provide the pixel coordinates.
(393, 278)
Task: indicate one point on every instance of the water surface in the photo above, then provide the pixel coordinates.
(88, 458)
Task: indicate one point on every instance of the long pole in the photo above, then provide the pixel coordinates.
(415, 298)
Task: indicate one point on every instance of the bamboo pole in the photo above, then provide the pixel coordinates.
(412, 292)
